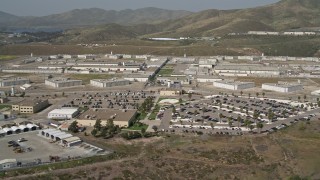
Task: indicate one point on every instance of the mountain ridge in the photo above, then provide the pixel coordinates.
(93, 16)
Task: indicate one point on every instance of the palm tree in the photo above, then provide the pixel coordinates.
(220, 117)
(257, 94)
(255, 116)
(270, 115)
(239, 121)
(230, 122)
(260, 126)
(263, 94)
(247, 123)
(212, 126)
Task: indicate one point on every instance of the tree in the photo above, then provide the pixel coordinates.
(257, 94)
(212, 126)
(263, 94)
(73, 127)
(270, 115)
(98, 125)
(109, 123)
(241, 92)
(143, 131)
(251, 127)
(174, 109)
(302, 106)
(180, 100)
(255, 116)
(239, 121)
(260, 126)
(247, 123)
(230, 122)
(299, 98)
(189, 96)
(249, 95)
(155, 128)
(220, 117)
(304, 98)
(94, 132)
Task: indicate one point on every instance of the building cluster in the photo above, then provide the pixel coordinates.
(64, 138)
(288, 33)
(282, 87)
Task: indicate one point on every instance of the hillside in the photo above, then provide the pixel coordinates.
(93, 16)
(284, 15)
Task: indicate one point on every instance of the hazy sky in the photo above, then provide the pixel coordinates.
(46, 7)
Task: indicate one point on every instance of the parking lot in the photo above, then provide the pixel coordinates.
(235, 115)
(37, 147)
(117, 100)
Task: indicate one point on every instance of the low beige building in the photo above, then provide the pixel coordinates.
(169, 93)
(30, 106)
(122, 118)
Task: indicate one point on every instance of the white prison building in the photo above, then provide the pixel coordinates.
(233, 85)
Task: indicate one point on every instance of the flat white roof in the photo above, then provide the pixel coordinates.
(8, 161)
(64, 136)
(48, 130)
(72, 139)
(282, 85)
(65, 111)
(233, 82)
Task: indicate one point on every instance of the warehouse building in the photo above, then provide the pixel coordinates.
(208, 79)
(62, 82)
(233, 85)
(284, 88)
(30, 106)
(247, 69)
(104, 83)
(64, 138)
(63, 113)
(13, 81)
(122, 118)
(137, 78)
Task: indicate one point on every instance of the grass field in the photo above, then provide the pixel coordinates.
(165, 72)
(7, 57)
(2, 106)
(87, 77)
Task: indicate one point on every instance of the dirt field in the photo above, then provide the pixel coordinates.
(290, 152)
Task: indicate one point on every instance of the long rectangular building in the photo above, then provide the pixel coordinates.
(284, 88)
(13, 81)
(103, 83)
(63, 82)
(233, 85)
